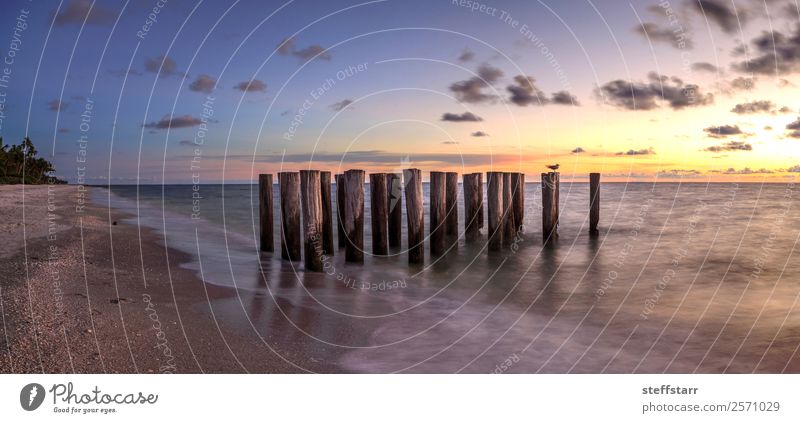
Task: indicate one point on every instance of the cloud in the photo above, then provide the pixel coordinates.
(203, 84)
(186, 142)
(577, 150)
(315, 51)
(776, 53)
(678, 173)
(759, 106)
(647, 95)
(564, 98)
(653, 32)
(253, 85)
(76, 10)
(479, 134)
(746, 171)
(794, 169)
(449, 142)
(167, 66)
(341, 105)
(57, 105)
(743, 84)
(464, 117)
(720, 12)
(466, 55)
(524, 92)
(471, 90)
(642, 152)
(723, 131)
(730, 146)
(185, 121)
(704, 67)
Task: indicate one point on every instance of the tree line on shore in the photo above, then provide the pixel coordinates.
(19, 164)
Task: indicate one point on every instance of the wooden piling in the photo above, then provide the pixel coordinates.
(481, 211)
(495, 209)
(394, 190)
(290, 215)
(265, 212)
(354, 215)
(518, 199)
(412, 180)
(311, 191)
(327, 213)
(508, 210)
(438, 208)
(378, 205)
(594, 202)
(342, 236)
(451, 205)
(472, 199)
(550, 186)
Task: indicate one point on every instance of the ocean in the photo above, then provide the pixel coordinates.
(683, 278)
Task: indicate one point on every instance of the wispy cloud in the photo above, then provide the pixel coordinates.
(251, 86)
(463, 117)
(174, 122)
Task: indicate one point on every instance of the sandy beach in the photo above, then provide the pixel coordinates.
(71, 306)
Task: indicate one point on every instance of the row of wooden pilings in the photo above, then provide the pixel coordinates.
(308, 194)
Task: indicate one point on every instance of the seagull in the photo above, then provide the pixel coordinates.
(553, 167)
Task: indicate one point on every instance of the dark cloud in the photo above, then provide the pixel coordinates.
(464, 117)
(203, 84)
(653, 32)
(646, 95)
(57, 105)
(746, 171)
(167, 66)
(704, 67)
(776, 53)
(720, 12)
(185, 121)
(794, 129)
(723, 131)
(642, 152)
(577, 150)
(564, 98)
(186, 143)
(471, 90)
(743, 84)
(479, 134)
(466, 55)
(524, 92)
(253, 85)
(730, 146)
(315, 51)
(758, 106)
(341, 105)
(76, 10)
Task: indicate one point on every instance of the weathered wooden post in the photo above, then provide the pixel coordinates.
(265, 212)
(472, 199)
(290, 215)
(494, 196)
(508, 210)
(312, 219)
(340, 210)
(394, 188)
(594, 202)
(518, 200)
(327, 213)
(451, 205)
(480, 197)
(437, 212)
(412, 179)
(354, 215)
(378, 205)
(550, 206)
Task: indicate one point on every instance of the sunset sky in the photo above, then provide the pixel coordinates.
(693, 89)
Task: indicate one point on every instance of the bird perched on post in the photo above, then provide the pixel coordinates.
(553, 167)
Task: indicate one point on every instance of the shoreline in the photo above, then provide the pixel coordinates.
(84, 295)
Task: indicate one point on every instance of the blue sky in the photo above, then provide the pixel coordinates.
(411, 54)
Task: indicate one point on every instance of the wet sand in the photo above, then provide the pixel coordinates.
(71, 306)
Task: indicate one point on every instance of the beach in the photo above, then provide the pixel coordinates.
(71, 306)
